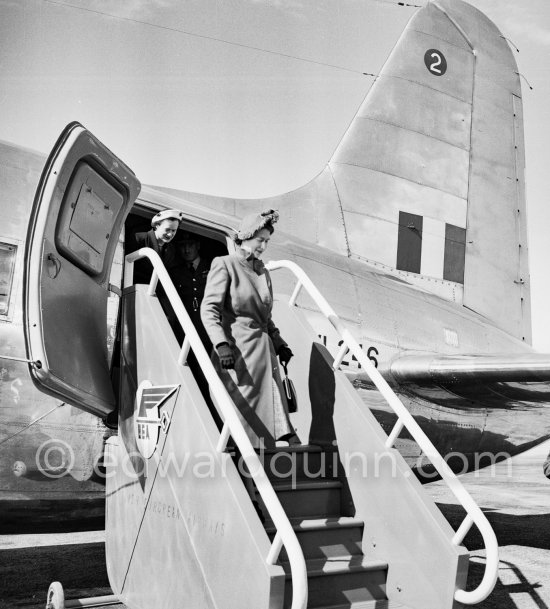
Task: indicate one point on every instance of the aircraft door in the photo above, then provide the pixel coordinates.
(83, 198)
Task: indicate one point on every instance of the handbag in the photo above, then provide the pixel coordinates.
(290, 392)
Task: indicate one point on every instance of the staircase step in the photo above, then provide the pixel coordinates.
(293, 448)
(296, 462)
(326, 538)
(374, 604)
(340, 582)
(309, 499)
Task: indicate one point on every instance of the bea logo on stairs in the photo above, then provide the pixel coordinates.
(147, 418)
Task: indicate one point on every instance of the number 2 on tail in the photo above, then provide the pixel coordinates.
(435, 62)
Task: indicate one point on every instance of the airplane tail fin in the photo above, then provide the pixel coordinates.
(428, 180)
(430, 174)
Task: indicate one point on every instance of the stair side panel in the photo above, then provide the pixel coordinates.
(181, 528)
(403, 525)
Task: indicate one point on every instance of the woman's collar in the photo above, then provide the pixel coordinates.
(247, 258)
(245, 255)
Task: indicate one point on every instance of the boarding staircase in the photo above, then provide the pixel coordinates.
(343, 522)
(340, 575)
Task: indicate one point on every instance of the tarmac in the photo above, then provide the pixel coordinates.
(513, 494)
(515, 497)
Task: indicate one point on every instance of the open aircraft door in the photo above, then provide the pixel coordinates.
(83, 197)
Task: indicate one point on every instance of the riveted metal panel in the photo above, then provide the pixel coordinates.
(314, 208)
(378, 322)
(407, 150)
(493, 137)
(430, 112)
(407, 62)
(524, 282)
(495, 60)
(382, 195)
(413, 156)
(329, 273)
(372, 238)
(312, 212)
(488, 89)
(432, 20)
(493, 282)
(500, 75)
(496, 240)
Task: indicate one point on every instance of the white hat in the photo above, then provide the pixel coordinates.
(167, 214)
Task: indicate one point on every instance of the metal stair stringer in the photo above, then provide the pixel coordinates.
(403, 527)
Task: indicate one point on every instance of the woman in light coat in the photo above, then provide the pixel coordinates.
(236, 313)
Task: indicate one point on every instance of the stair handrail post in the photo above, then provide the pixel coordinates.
(224, 437)
(295, 294)
(340, 356)
(152, 290)
(397, 429)
(184, 352)
(473, 511)
(275, 550)
(234, 426)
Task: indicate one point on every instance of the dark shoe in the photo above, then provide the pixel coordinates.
(291, 438)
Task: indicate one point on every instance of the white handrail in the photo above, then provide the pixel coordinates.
(284, 531)
(404, 418)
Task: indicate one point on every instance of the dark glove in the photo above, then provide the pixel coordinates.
(225, 353)
(284, 354)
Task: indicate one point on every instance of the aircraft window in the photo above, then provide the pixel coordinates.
(409, 242)
(91, 206)
(7, 265)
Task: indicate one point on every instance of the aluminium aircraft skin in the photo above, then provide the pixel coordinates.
(439, 137)
(48, 448)
(436, 149)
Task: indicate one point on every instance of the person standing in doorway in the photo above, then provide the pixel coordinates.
(189, 277)
(164, 225)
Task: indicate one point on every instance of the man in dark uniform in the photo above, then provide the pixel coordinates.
(160, 238)
(189, 277)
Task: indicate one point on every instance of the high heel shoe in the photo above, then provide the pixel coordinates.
(291, 438)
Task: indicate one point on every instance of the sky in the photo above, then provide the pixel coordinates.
(243, 98)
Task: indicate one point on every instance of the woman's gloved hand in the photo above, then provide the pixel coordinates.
(284, 354)
(225, 353)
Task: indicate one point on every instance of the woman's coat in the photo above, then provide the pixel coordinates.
(236, 309)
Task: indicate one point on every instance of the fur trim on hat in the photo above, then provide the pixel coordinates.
(252, 223)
